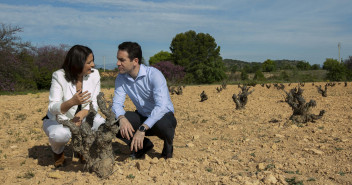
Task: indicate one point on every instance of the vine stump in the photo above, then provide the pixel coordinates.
(241, 99)
(95, 146)
(301, 109)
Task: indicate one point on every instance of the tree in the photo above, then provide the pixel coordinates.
(330, 63)
(259, 76)
(244, 75)
(348, 64)
(9, 41)
(48, 59)
(336, 70)
(14, 60)
(95, 146)
(161, 56)
(302, 65)
(24, 67)
(241, 99)
(315, 67)
(199, 55)
(173, 73)
(301, 109)
(269, 66)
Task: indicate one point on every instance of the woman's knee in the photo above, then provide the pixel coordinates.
(60, 135)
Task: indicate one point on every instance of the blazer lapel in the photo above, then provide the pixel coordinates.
(86, 86)
(72, 88)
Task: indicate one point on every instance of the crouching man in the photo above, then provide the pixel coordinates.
(146, 86)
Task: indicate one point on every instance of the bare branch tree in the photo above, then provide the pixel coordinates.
(95, 146)
(241, 99)
(324, 92)
(301, 109)
(203, 96)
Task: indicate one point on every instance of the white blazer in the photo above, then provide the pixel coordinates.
(61, 90)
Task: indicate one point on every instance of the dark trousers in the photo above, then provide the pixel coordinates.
(163, 129)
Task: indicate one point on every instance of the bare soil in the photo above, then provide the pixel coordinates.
(214, 142)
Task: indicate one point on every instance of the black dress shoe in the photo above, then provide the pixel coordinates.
(167, 155)
(141, 153)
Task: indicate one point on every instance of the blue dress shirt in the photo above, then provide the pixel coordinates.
(148, 92)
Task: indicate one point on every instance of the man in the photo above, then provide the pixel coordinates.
(146, 86)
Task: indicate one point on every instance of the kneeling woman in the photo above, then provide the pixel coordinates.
(73, 87)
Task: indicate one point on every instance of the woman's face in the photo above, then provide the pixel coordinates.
(87, 69)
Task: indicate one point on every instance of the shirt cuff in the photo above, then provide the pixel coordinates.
(150, 122)
(122, 113)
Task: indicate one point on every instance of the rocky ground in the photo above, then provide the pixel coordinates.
(214, 142)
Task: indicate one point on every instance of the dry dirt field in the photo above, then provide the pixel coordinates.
(214, 142)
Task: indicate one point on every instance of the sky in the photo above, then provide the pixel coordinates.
(248, 30)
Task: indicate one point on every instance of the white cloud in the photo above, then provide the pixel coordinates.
(242, 29)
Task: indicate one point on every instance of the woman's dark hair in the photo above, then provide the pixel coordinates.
(133, 49)
(74, 62)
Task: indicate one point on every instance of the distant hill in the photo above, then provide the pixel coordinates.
(107, 66)
(231, 62)
(281, 64)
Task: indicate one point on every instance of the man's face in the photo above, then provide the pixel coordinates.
(124, 64)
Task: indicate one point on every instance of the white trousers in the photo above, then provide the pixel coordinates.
(59, 135)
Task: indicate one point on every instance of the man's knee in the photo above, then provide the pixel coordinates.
(134, 118)
(164, 129)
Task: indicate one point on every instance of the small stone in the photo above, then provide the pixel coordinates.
(171, 160)
(274, 146)
(279, 136)
(147, 158)
(315, 151)
(322, 147)
(154, 160)
(54, 175)
(195, 137)
(261, 166)
(233, 127)
(270, 179)
(138, 165)
(13, 146)
(190, 145)
(252, 182)
(278, 166)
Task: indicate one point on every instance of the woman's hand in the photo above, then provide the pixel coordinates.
(78, 99)
(81, 98)
(79, 117)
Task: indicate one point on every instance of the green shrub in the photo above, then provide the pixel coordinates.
(259, 76)
(244, 75)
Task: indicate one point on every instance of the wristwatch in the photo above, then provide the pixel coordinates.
(142, 128)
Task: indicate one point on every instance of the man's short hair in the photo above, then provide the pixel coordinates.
(133, 49)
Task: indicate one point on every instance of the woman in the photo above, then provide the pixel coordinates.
(72, 89)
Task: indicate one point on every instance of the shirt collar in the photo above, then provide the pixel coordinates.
(142, 72)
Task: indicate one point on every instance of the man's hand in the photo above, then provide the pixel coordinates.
(126, 129)
(137, 141)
